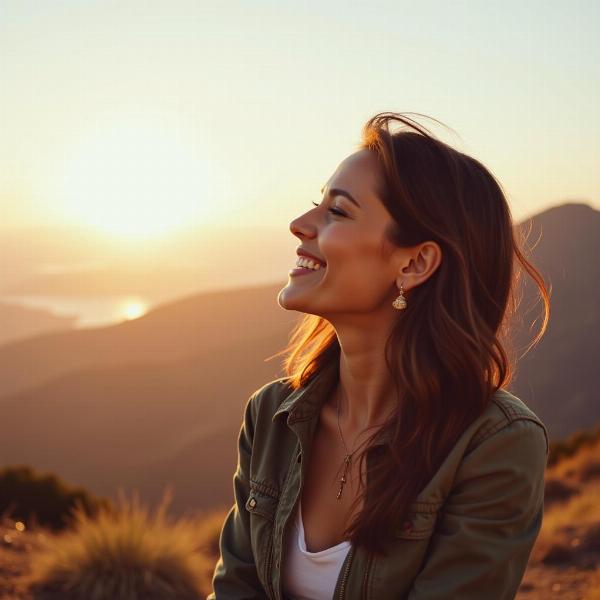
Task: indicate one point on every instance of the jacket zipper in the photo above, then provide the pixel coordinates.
(285, 527)
(366, 578)
(345, 575)
(290, 516)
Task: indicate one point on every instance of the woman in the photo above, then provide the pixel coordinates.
(407, 275)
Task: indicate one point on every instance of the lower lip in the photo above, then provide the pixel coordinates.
(301, 271)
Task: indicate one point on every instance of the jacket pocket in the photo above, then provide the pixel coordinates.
(406, 549)
(259, 503)
(419, 522)
(262, 505)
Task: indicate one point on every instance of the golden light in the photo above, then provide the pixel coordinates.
(137, 177)
(132, 309)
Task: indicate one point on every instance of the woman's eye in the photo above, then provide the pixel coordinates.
(335, 211)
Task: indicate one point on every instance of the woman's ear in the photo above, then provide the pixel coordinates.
(423, 262)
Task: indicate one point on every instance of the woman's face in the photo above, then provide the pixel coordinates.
(362, 270)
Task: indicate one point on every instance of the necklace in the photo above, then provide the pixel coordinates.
(348, 457)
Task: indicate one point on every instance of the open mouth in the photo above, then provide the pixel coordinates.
(308, 261)
(302, 269)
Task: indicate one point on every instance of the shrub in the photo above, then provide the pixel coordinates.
(558, 491)
(560, 449)
(26, 495)
(121, 555)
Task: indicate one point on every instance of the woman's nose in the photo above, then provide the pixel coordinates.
(303, 226)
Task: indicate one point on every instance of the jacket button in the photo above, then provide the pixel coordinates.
(252, 502)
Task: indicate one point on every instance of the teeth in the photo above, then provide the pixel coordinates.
(308, 264)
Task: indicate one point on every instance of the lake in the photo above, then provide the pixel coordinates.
(91, 311)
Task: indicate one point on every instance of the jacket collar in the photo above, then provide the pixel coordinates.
(305, 402)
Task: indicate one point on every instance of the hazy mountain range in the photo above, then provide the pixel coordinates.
(159, 399)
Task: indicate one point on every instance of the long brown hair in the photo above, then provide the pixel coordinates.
(451, 348)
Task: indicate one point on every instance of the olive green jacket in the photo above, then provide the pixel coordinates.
(473, 525)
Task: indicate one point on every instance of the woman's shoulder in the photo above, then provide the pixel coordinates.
(268, 397)
(509, 413)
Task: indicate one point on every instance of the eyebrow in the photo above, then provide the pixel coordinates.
(340, 192)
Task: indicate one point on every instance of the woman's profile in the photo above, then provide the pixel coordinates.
(391, 461)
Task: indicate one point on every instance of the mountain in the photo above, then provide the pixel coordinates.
(170, 332)
(159, 399)
(19, 322)
(557, 378)
(147, 402)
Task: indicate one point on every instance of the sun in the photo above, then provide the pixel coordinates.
(132, 308)
(137, 177)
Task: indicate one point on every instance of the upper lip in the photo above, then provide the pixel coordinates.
(303, 252)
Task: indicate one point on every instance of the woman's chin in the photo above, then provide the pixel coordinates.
(285, 299)
(290, 298)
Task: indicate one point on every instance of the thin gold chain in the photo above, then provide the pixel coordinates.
(348, 457)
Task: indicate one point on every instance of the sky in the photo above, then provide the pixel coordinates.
(171, 113)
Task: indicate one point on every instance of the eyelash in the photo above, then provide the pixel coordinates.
(335, 211)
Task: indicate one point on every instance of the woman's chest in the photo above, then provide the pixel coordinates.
(293, 464)
(331, 486)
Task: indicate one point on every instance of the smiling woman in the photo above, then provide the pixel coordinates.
(391, 461)
(137, 179)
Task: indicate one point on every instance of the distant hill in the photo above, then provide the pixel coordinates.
(171, 332)
(18, 322)
(558, 377)
(124, 405)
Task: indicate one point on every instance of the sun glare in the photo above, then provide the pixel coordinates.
(132, 309)
(137, 178)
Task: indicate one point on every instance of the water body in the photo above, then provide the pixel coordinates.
(91, 311)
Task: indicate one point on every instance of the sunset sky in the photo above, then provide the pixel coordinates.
(169, 113)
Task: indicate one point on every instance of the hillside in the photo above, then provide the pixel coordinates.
(159, 399)
(557, 379)
(565, 561)
(143, 424)
(19, 322)
(172, 331)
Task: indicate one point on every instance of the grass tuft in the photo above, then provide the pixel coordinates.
(121, 554)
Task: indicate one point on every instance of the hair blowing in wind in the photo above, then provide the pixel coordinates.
(451, 348)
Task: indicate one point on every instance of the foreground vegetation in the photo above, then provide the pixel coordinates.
(124, 552)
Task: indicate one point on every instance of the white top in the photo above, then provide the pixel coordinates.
(310, 575)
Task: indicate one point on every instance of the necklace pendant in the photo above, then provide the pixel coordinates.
(343, 479)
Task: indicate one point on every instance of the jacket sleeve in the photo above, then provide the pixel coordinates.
(490, 520)
(235, 576)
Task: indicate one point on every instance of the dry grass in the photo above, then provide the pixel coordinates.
(133, 555)
(125, 555)
(565, 561)
(579, 468)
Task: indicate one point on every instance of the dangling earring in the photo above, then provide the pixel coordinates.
(400, 301)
